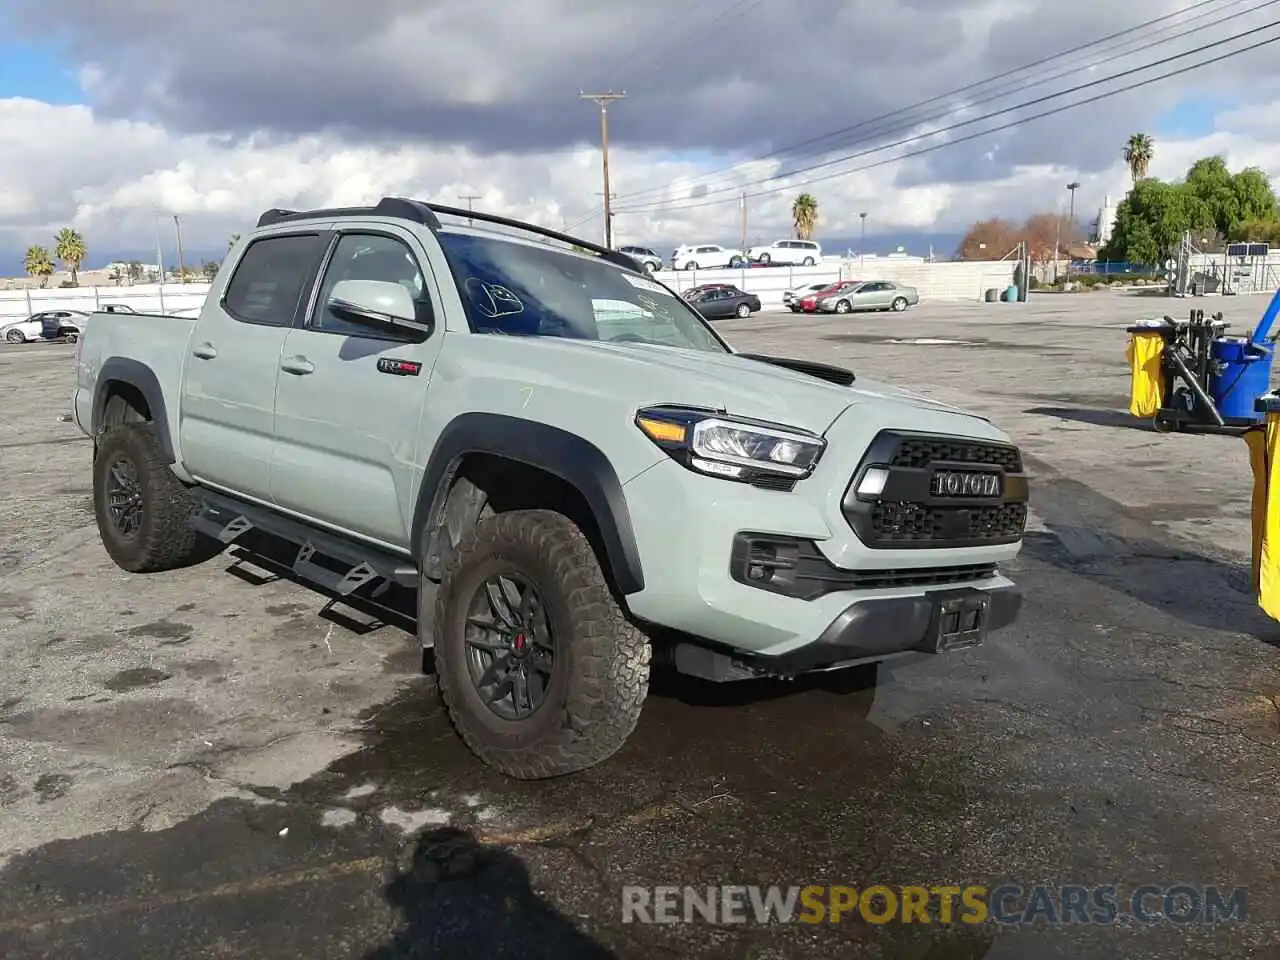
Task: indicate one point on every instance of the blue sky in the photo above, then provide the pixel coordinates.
(1192, 116)
(37, 72)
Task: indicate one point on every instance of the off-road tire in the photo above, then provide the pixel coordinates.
(164, 540)
(601, 661)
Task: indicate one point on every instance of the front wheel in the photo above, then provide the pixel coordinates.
(541, 672)
(15, 336)
(843, 306)
(691, 265)
(744, 310)
(765, 259)
(900, 304)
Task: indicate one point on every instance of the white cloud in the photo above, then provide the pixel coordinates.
(110, 179)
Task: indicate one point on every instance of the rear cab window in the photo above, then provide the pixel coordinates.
(273, 276)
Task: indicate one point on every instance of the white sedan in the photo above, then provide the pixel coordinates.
(32, 328)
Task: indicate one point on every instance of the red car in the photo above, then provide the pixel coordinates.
(810, 303)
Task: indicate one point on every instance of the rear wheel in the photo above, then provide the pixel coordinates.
(142, 508)
(541, 672)
(900, 304)
(808, 262)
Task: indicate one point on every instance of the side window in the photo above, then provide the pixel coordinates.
(271, 277)
(368, 256)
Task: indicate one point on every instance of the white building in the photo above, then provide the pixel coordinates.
(1106, 221)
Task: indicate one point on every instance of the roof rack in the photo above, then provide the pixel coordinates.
(425, 214)
(397, 207)
(613, 256)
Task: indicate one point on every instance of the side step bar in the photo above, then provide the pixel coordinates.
(225, 518)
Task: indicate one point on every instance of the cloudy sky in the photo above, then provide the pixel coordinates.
(114, 114)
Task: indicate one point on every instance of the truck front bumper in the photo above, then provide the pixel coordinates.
(691, 531)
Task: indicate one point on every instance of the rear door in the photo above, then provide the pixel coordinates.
(227, 403)
(349, 398)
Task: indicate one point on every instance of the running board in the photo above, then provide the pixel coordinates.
(226, 519)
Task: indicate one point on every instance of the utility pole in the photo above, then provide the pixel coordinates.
(863, 218)
(469, 198)
(602, 100)
(744, 223)
(182, 269)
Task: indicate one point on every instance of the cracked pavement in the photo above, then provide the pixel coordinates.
(211, 763)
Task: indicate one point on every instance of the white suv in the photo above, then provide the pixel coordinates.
(804, 253)
(705, 256)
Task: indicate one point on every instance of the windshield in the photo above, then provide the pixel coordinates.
(521, 290)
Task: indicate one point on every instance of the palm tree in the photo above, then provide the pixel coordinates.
(69, 248)
(38, 263)
(1137, 154)
(804, 216)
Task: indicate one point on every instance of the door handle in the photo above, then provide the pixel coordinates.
(299, 365)
(205, 351)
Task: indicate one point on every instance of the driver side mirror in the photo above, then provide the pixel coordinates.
(380, 305)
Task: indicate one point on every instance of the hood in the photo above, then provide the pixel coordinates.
(734, 385)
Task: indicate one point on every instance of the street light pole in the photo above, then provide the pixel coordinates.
(602, 100)
(1073, 186)
(182, 268)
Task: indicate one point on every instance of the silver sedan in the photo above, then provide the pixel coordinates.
(871, 295)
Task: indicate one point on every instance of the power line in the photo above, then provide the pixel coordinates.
(970, 122)
(839, 137)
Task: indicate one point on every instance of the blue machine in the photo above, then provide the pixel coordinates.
(1213, 381)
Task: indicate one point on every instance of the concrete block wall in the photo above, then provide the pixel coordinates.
(947, 281)
(144, 298)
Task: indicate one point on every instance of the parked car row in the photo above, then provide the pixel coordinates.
(711, 256)
(849, 296)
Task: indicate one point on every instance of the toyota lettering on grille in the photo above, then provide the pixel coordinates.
(965, 483)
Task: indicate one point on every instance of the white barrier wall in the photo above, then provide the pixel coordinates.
(143, 297)
(967, 280)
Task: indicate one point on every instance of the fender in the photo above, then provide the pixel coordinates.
(141, 377)
(574, 460)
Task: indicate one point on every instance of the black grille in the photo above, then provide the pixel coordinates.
(909, 512)
(924, 451)
(914, 522)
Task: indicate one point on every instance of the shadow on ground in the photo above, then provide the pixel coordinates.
(1099, 418)
(459, 898)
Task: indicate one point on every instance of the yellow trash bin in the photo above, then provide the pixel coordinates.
(1264, 450)
(1146, 386)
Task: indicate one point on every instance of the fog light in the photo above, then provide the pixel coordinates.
(872, 482)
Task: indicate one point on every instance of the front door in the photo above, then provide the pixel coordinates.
(347, 432)
(233, 356)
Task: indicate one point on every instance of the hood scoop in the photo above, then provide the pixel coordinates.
(823, 371)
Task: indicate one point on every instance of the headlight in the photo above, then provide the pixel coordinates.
(762, 453)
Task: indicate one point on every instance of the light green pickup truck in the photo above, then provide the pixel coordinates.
(567, 463)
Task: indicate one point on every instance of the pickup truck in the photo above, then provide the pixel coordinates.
(573, 470)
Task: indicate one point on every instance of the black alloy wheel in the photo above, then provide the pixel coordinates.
(125, 505)
(510, 648)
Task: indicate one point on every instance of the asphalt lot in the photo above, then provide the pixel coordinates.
(207, 764)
